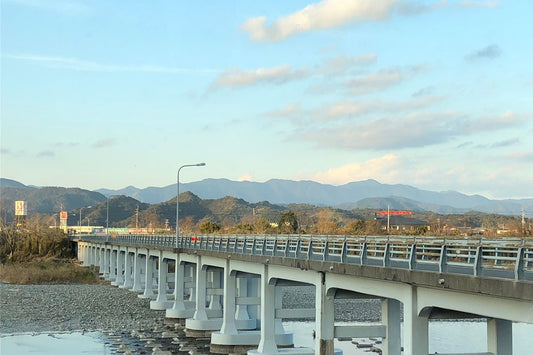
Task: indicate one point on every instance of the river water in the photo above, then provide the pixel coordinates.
(445, 337)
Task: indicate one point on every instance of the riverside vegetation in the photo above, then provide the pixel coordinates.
(40, 255)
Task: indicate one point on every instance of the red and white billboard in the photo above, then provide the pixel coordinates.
(21, 209)
(63, 216)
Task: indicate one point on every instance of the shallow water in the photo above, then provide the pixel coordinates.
(57, 343)
(444, 336)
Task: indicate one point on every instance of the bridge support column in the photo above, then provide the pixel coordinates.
(267, 344)
(415, 327)
(500, 336)
(201, 284)
(112, 265)
(119, 280)
(106, 262)
(179, 309)
(148, 282)
(324, 318)
(241, 311)
(88, 256)
(101, 260)
(161, 301)
(390, 317)
(228, 324)
(136, 272)
(216, 284)
(128, 279)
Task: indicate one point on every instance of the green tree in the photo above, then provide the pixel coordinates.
(288, 224)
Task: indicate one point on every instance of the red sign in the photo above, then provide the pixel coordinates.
(395, 213)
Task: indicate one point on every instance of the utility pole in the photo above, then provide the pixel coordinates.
(137, 217)
(523, 221)
(388, 219)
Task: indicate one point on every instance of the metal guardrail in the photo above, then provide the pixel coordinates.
(499, 258)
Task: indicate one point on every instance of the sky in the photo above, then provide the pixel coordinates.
(107, 94)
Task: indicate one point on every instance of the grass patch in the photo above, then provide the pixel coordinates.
(47, 272)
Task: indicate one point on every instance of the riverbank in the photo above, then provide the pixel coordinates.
(49, 308)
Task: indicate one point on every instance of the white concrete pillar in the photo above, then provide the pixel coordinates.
(228, 314)
(136, 272)
(415, 328)
(161, 302)
(241, 311)
(113, 265)
(500, 336)
(89, 256)
(148, 282)
(128, 281)
(101, 260)
(106, 262)
(324, 319)
(178, 307)
(201, 283)
(391, 319)
(267, 344)
(214, 303)
(119, 280)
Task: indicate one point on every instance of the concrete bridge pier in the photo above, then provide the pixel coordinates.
(181, 309)
(119, 280)
(162, 302)
(128, 277)
(106, 262)
(415, 328)
(113, 265)
(238, 328)
(100, 259)
(148, 283)
(204, 321)
(136, 287)
(391, 319)
(500, 336)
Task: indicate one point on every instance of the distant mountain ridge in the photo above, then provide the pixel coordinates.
(361, 194)
(346, 196)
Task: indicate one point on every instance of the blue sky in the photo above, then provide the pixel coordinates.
(433, 94)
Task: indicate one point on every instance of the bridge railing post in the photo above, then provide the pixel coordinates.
(443, 260)
(325, 251)
(344, 250)
(362, 260)
(412, 256)
(519, 265)
(310, 249)
(386, 255)
(478, 261)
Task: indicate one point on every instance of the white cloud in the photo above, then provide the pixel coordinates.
(246, 177)
(236, 78)
(82, 65)
(381, 79)
(341, 64)
(383, 168)
(328, 14)
(350, 109)
(323, 15)
(507, 120)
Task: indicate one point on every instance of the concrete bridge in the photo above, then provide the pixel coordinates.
(228, 287)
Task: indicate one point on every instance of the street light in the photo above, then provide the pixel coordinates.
(178, 199)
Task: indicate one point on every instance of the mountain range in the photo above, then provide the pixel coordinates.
(354, 195)
(360, 194)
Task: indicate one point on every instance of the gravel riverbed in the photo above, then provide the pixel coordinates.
(48, 308)
(126, 321)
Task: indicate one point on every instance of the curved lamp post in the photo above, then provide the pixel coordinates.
(178, 198)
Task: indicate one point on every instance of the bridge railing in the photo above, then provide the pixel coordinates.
(500, 258)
